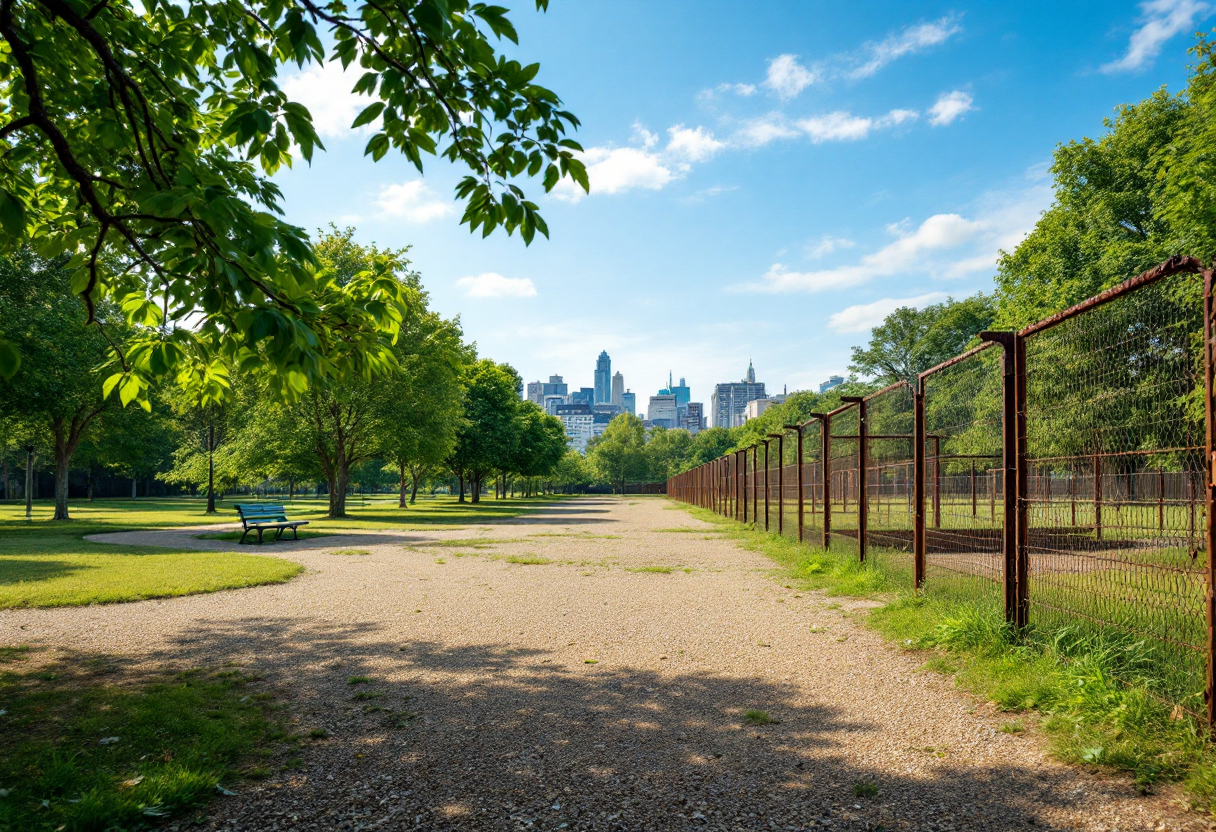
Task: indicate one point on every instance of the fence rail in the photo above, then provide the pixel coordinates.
(1062, 474)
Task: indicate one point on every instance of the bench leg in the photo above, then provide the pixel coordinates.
(259, 535)
(278, 535)
(242, 540)
(295, 530)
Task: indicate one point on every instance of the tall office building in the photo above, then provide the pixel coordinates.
(662, 411)
(618, 389)
(730, 399)
(693, 419)
(629, 402)
(583, 395)
(603, 379)
(538, 390)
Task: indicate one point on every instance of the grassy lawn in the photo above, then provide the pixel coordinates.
(85, 745)
(1103, 695)
(44, 563)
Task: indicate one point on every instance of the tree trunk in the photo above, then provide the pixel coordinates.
(89, 484)
(413, 487)
(401, 484)
(460, 481)
(29, 485)
(211, 469)
(337, 489)
(475, 486)
(134, 487)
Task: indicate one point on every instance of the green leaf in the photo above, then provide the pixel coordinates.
(369, 114)
(10, 359)
(12, 214)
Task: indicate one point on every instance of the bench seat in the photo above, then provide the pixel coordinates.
(260, 517)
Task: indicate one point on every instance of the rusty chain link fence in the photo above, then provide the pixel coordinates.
(1061, 474)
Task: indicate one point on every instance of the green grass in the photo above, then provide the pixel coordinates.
(529, 560)
(1101, 693)
(350, 552)
(59, 569)
(758, 717)
(864, 789)
(46, 563)
(661, 570)
(83, 746)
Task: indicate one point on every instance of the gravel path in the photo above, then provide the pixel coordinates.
(596, 691)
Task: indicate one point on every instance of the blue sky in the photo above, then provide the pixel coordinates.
(768, 178)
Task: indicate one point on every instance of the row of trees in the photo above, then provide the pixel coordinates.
(436, 409)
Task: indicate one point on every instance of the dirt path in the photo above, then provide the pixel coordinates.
(598, 691)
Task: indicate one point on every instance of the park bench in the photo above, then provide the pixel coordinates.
(262, 516)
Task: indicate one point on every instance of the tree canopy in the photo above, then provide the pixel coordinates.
(138, 141)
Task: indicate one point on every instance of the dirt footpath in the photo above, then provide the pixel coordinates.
(589, 667)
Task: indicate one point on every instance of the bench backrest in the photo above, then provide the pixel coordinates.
(261, 511)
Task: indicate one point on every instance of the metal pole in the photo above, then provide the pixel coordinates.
(1209, 361)
(780, 437)
(766, 484)
(29, 482)
(756, 485)
(798, 475)
(918, 486)
(1022, 579)
(826, 456)
(1009, 466)
(937, 482)
(863, 499)
(1097, 496)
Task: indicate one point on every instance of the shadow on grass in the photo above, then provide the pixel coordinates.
(492, 736)
(22, 570)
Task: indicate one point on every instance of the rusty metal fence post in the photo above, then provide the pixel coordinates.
(1009, 464)
(764, 442)
(799, 475)
(918, 487)
(780, 437)
(1209, 390)
(863, 497)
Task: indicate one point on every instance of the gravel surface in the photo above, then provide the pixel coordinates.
(595, 691)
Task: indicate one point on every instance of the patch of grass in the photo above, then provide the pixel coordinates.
(863, 789)
(758, 717)
(366, 695)
(468, 543)
(317, 734)
(82, 750)
(440, 561)
(529, 560)
(1014, 727)
(661, 570)
(680, 530)
(359, 680)
(580, 535)
(1096, 689)
(60, 569)
(350, 552)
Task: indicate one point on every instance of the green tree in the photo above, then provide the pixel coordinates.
(208, 428)
(1188, 206)
(573, 472)
(57, 392)
(139, 138)
(540, 445)
(619, 453)
(423, 400)
(668, 451)
(1109, 220)
(909, 341)
(486, 440)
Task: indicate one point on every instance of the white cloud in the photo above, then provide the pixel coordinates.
(325, 89)
(615, 170)
(413, 201)
(786, 77)
(866, 316)
(1160, 20)
(826, 245)
(494, 285)
(758, 132)
(738, 89)
(912, 39)
(692, 144)
(949, 106)
(842, 126)
(939, 232)
(835, 127)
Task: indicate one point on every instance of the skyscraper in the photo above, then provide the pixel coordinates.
(618, 389)
(629, 402)
(730, 399)
(603, 379)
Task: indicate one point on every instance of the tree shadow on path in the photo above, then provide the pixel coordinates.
(499, 737)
